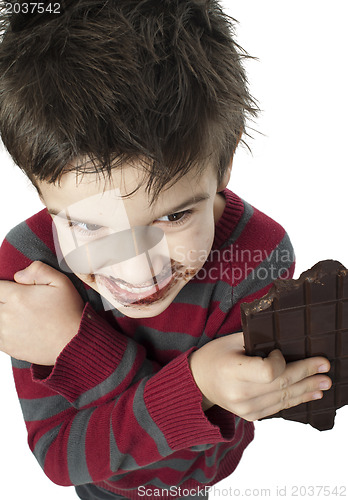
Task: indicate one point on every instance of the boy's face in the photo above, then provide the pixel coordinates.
(135, 254)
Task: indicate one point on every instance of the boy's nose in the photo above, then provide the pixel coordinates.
(141, 270)
(140, 249)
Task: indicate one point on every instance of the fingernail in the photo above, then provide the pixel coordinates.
(317, 395)
(324, 385)
(323, 368)
(19, 274)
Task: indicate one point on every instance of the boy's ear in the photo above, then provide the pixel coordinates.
(226, 178)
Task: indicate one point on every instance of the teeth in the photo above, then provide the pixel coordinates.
(134, 289)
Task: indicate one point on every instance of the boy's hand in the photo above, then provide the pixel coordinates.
(253, 387)
(39, 314)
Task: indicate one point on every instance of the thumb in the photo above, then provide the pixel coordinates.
(38, 273)
(261, 370)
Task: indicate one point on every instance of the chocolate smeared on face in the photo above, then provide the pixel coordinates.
(155, 290)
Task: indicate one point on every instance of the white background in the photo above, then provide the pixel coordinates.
(297, 175)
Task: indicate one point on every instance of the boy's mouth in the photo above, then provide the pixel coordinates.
(155, 289)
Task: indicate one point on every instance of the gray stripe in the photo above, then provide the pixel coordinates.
(266, 272)
(117, 313)
(198, 474)
(161, 340)
(201, 447)
(22, 365)
(204, 339)
(243, 221)
(225, 291)
(182, 465)
(94, 299)
(24, 240)
(196, 293)
(77, 464)
(43, 408)
(114, 380)
(119, 460)
(146, 422)
(43, 444)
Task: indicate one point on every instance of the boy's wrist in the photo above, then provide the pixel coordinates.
(206, 403)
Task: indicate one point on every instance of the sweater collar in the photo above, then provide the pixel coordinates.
(229, 219)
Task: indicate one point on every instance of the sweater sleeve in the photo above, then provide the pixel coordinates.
(149, 420)
(105, 408)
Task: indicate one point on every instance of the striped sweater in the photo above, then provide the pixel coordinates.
(120, 408)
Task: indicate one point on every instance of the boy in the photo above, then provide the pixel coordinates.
(109, 396)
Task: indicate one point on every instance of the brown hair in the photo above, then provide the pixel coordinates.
(118, 80)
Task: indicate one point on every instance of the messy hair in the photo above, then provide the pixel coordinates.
(121, 80)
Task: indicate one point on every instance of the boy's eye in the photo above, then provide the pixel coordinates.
(85, 226)
(176, 217)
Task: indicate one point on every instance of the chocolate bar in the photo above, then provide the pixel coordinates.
(304, 318)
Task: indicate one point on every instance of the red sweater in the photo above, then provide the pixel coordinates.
(120, 407)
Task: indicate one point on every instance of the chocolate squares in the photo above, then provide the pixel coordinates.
(304, 318)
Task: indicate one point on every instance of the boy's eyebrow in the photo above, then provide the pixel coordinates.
(191, 201)
(63, 214)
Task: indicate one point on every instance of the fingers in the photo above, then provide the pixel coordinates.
(266, 383)
(304, 391)
(298, 383)
(274, 369)
(38, 273)
(299, 370)
(7, 289)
